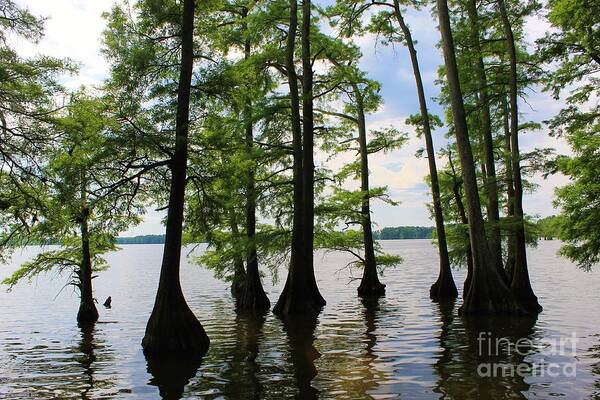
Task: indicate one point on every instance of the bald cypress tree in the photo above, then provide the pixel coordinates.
(487, 292)
(172, 326)
(350, 15)
(520, 284)
(301, 294)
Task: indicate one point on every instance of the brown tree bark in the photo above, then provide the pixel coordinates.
(456, 185)
(369, 284)
(491, 184)
(173, 327)
(239, 273)
(253, 297)
(444, 287)
(308, 166)
(520, 285)
(487, 293)
(88, 313)
(300, 294)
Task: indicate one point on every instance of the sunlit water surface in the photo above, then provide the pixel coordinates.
(401, 346)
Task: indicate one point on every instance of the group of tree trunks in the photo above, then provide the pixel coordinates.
(488, 288)
(173, 327)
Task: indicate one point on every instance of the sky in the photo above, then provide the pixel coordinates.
(74, 29)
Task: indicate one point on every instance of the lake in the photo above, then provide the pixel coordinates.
(401, 346)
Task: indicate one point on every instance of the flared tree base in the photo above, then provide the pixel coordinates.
(522, 291)
(300, 303)
(444, 289)
(88, 313)
(296, 307)
(527, 300)
(372, 288)
(174, 329)
(253, 299)
(497, 301)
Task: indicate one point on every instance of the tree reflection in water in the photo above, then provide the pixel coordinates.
(242, 376)
(87, 346)
(172, 373)
(594, 353)
(370, 311)
(92, 355)
(478, 358)
(300, 330)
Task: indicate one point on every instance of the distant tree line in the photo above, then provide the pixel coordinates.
(388, 233)
(404, 232)
(142, 239)
(549, 228)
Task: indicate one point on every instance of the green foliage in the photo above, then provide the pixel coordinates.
(75, 188)
(579, 201)
(29, 93)
(549, 227)
(64, 260)
(351, 241)
(102, 160)
(572, 49)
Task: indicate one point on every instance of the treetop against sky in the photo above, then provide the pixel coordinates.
(73, 29)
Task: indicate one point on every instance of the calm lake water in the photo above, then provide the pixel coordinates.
(401, 346)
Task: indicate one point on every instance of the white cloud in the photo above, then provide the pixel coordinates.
(73, 30)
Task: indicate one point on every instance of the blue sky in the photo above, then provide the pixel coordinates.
(74, 27)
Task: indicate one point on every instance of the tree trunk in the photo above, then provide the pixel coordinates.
(369, 284)
(488, 140)
(173, 327)
(298, 295)
(239, 274)
(510, 195)
(253, 297)
(307, 154)
(87, 309)
(465, 222)
(487, 293)
(444, 287)
(520, 285)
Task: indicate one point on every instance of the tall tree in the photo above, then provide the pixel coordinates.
(77, 206)
(301, 294)
(350, 15)
(308, 138)
(444, 287)
(360, 96)
(172, 326)
(225, 195)
(520, 284)
(253, 296)
(487, 293)
(484, 105)
(369, 284)
(458, 228)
